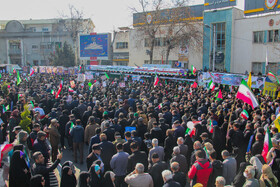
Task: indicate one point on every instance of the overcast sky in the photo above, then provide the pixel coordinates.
(107, 15)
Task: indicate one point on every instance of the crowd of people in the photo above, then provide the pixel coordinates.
(137, 135)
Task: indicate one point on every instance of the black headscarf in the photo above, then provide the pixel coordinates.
(17, 176)
(198, 132)
(239, 179)
(36, 181)
(67, 180)
(83, 179)
(18, 147)
(95, 180)
(218, 141)
(107, 181)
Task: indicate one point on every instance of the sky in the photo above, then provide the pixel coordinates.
(107, 15)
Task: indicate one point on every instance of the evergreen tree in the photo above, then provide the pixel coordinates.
(63, 56)
(25, 119)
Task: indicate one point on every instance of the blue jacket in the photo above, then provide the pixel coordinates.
(94, 140)
(77, 134)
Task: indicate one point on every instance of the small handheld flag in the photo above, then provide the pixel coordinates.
(244, 114)
(193, 70)
(107, 75)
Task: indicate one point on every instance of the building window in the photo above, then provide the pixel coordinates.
(158, 42)
(34, 47)
(32, 29)
(273, 36)
(45, 29)
(58, 44)
(258, 36)
(122, 45)
(257, 68)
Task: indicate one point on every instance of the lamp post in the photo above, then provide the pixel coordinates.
(214, 47)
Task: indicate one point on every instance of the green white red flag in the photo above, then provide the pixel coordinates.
(211, 127)
(190, 132)
(59, 90)
(273, 77)
(156, 81)
(31, 71)
(70, 89)
(244, 114)
(193, 70)
(267, 145)
(194, 85)
(219, 95)
(245, 94)
(211, 86)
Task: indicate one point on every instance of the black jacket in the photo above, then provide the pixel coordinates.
(217, 171)
(126, 146)
(137, 157)
(180, 177)
(155, 172)
(90, 159)
(108, 150)
(44, 170)
(171, 183)
(257, 148)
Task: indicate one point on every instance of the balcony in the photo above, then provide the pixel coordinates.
(14, 51)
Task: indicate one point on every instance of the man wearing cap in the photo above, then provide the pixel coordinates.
(94, 155)
(157, 167)
(54, 138)
(118, 139)
(41, 145)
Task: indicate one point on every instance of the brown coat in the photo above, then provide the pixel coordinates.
(54, 136)
(90, 131)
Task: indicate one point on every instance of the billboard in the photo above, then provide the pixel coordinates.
(214, 4)
(253, 7)
(94, 45)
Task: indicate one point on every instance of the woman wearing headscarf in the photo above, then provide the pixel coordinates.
(95, 177)
(198, 132)
(258, 166)
(239, 179)
(37, 181)
(83, 179)
(109, 179)
(70, 164)
(19, 173)
(22, 139)
(218, 141)
(267, 178)
(68, 179)
(14, 121)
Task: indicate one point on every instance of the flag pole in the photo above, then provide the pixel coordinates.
(229, 121)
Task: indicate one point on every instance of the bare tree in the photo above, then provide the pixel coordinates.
(175, 19)
(76, 24)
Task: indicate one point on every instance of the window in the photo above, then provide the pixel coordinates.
(147, 42)
(258, 36)
(46, 45)
(45, 29)
(273, 36)
(34, 47)
(122, 45)
(256, 67)
(33, 29)
(158, 42)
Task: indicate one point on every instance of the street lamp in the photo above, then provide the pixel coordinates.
(214, 40)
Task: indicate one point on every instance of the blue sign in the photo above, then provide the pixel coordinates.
(94, 45)
(214, 4)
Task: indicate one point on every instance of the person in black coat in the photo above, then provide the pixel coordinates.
(94, 155)
(108, 179)
(169, 143)
(19, 173)
(239, 179)
(109, 131)
(41, 145)
(95, 177)
(37, 181)
(126, 145)
(157, 133)
(178, 176)
(257, 147)
(168, 179)
(63, 119)
(136, 157)
(68, 179)
(217, 168)
(156, 169)
(83, 180)
(107, 151)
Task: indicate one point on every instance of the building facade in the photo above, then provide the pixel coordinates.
(30, 42)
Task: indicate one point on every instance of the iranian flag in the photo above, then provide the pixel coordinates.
(156, 81)
(245, 94)
(190, 132)
(5, 109)
(160, 106)
(31, 71)
(244, 114)
(14, 71)
(59, 90)
(4, 149)
(219, 95)
(211, 86)
(211, 127)
(53, 92)
(70, 89)
(71, 126)
(272, 77)
(267, 145)
(193, 70)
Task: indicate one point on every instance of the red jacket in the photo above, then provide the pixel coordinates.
(200, 172)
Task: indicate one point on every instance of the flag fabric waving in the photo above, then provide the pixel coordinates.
(70, 89)
(18, 78)
(219, 95)
(244, 114)
(193, 70)
(194, 85)
(267, 145)
(4, 148)
(31, 71)
(59, 90)
(211, 127)
(273, 77)
(211, 86)
(107, 75)
(156, 81)
(277, 122)
(245, 94)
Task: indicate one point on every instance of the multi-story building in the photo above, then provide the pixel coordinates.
(31, 42)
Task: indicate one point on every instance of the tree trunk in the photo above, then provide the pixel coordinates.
(152, 51)
(167, 54)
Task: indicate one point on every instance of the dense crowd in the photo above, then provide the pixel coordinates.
(137, 135)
